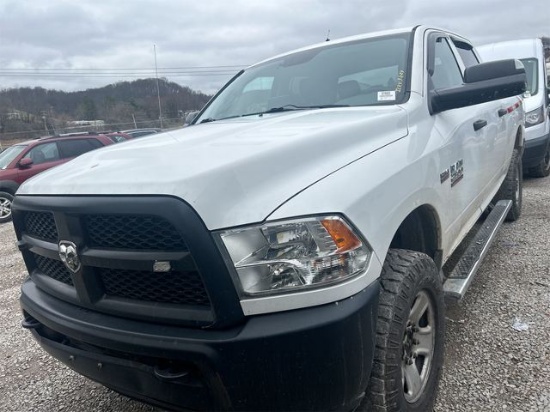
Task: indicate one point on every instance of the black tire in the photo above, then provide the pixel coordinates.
(512, 187)
(543, 168)
(5, 206)
(410, 333)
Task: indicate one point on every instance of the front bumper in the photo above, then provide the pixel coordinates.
(535, 150)
(310, 359)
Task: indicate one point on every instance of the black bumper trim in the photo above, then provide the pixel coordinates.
(309, 359)
(128, 377)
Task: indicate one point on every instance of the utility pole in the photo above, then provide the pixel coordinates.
(44, 117)
(158, 89)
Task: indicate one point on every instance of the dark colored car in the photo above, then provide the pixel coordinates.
(141, 132)
(24, 160)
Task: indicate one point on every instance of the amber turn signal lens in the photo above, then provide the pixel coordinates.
(341, 234)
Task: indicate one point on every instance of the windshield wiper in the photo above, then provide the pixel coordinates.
(285, 108)
(326, 106)
(208, 120)
(292, 107)
(289, 107)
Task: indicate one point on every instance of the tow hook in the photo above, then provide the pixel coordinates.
(30, 323)
(170, 374)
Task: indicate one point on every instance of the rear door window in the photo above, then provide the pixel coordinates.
(73, 148)
(466, 53)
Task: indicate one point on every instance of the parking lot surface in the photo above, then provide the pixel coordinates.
(497, 340)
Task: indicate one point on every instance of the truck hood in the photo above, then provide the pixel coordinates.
(235, 171)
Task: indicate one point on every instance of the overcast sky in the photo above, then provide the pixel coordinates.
(79, 44)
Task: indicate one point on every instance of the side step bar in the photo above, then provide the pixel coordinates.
(465, 269)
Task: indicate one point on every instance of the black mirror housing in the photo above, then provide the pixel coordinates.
(483, 83)
(493, 70)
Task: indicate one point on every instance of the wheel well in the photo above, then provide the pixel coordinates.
(6, 190)
(9, 186)
(419, 232)
(519, 139)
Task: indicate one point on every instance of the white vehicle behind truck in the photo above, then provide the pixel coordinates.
(536, 157)
(292, 249)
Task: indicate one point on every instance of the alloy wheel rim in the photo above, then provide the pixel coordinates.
(418, 347)
(5, 207)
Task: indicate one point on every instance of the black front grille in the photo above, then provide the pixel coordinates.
(119, 241)
(54, 269)
(41, 225)
(132, 232)
(185, 288)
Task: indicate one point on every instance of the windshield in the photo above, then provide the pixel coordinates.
(531, 70)
(7, 156)
(360, 73)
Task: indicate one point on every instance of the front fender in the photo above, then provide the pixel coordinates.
(9, 186)
(376, 193)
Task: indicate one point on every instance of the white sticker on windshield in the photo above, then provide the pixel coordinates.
(385, 96)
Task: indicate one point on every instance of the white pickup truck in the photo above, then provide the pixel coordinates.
(292, 248)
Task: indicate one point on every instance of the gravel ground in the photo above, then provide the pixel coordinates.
(489, 365)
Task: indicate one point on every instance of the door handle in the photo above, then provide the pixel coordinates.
(478, 124)
(502, 112)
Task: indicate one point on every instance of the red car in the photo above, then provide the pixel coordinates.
(24, 160)
(118, 137)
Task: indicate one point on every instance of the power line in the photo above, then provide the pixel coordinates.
(199, 71)
(128, 72)
(62, 75)
(240, 66)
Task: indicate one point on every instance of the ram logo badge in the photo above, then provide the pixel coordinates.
(69, 255)
(455, 172)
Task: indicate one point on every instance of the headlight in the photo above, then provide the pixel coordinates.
(295, 255)
(534, 117)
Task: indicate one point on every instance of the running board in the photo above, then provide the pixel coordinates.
(466, 268)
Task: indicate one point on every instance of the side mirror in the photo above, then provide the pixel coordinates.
(483, 83)
(494, 70)
(190, 117)
(25, 163)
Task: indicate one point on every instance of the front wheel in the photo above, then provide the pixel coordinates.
(410, 335)
(543, 168)
(5, 207)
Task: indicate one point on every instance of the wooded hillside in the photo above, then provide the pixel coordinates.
(31, 112)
